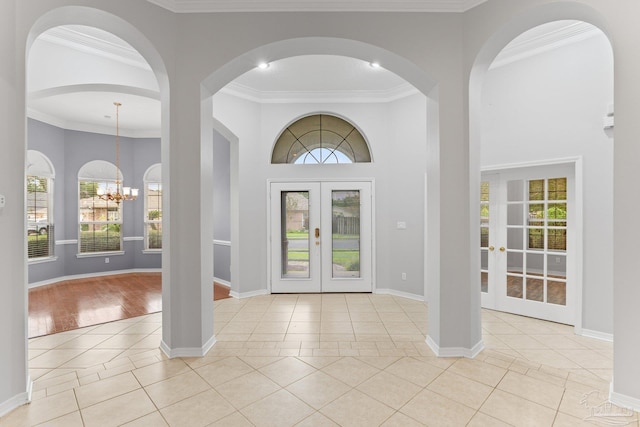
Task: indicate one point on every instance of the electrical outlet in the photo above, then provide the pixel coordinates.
(404, 276)
(106, 260)
(3, 201)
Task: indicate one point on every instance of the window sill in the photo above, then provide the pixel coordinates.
(152, 251)
(42, 260)
(99, 254)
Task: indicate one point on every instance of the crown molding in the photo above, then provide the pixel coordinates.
(70, 37)
(87, 127)
(519, 50)
(338, 97)
(204, 6)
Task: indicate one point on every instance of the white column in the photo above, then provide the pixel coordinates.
(452, 257)
(187, 259)
(14, 383)
(625, 388)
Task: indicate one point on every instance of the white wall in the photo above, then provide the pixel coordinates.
(396, 132)
(552, 106)
(62, 63)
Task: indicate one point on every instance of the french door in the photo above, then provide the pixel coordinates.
(321, 237)
(527, 242)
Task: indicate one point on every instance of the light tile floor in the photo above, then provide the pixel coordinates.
(319, 360)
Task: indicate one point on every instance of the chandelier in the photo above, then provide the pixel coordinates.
(120, 193)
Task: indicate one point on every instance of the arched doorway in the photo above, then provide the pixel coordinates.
(249, 233)
(542, 129)
(478, 107)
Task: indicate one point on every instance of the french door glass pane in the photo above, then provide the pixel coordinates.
(557, 279)
(514, 214)
(295, 234)
(535, 289)
(514, 286)
(484, 270)
(515, 191)
(345, 245)
(556, 292)
(514, 262)
(536, 189)
(514, 239)
(557, 189)
(485, 192)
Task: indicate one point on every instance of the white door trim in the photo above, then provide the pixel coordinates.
(578, 222)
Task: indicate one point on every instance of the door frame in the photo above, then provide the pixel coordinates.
(576, 162)
(321, 180)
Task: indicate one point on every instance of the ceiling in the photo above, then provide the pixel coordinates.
(76, 97)
(196, 6)
(320, 77)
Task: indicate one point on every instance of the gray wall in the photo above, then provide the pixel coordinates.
(49, 140)
(69, 151)
(221, 204)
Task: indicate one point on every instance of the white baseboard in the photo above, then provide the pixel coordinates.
(18, 400)
(241, 295)
(187, 351)
(224, 283)
(455, 351)
(90, 275)
(597, 335)
(624, 401)
(399, 294)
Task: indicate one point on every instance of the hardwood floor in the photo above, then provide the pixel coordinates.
(73, 304)
(556, 290)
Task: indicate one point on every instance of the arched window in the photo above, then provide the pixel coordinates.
(153, 208)
(40, 229)
(100, 221)
(320, 139)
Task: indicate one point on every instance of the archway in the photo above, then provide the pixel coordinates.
(89, 17)
(570, 151)
(414, 76)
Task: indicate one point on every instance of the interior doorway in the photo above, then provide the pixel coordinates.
(527, 242)
(321, 237)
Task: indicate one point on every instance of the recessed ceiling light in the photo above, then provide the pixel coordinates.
(375, 64)
(263, 65)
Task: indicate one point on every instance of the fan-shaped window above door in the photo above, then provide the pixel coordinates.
(321, 139)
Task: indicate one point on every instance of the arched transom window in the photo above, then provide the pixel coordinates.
(320, 139)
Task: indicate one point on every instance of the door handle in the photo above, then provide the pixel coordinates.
(491, 248)
(317, 233)
(502, 249)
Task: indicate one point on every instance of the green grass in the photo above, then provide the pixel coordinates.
(350, 260)
(298, 255)
(299, 235)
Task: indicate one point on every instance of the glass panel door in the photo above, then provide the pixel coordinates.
(489, 189)
(529, 270)
(537, 215)
(485, 187)
(295, 252)
(346, 227)
(345, 233)
(321, 237)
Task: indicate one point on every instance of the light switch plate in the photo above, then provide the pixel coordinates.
(402, 225)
